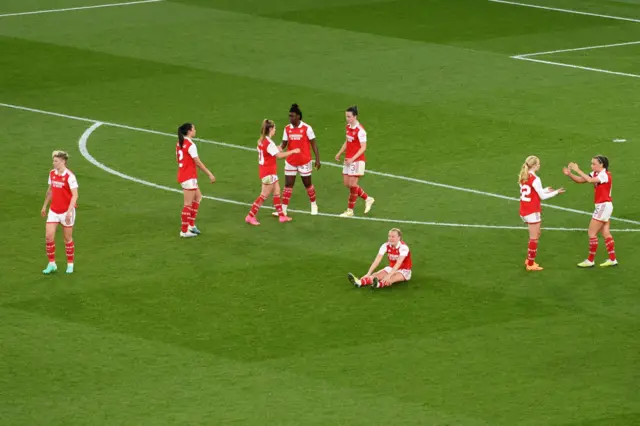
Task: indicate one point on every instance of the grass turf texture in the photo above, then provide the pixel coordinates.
(259, 326)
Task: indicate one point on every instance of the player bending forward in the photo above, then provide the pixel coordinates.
(399, 268)
(531, 194)
(268, 170)
(188, 165)
(601, 179)
(63, 194)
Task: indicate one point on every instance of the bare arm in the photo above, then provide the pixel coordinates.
(47, 199)
(284, 144)
(589, 179)
(285, 154)
(314, 146)
(577, 179)
(397, 265)
(344, 147)
(374, 265)
(202, 167)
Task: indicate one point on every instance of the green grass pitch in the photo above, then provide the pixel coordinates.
(259, 326)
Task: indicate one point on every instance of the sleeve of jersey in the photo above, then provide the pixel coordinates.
(544, 195)
(272, 149)
(193, 151)
(310, 133)
(404, 251)
(383, 249)
(49, 179)
(285, 137)
(73, 182)
(362, 136)
(603, 177)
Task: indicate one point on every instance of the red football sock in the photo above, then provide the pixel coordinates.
(186, 214)
(51, 251)
(311, 191)
(256, 205)
(593, 247)
(286, 195)
(277, 205)
(610, 248)
(533, 250)
(353, 196)
(366, 281)
(71, 248)
(362, 194)
(194, 212)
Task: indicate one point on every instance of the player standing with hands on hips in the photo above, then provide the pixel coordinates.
(63, 195)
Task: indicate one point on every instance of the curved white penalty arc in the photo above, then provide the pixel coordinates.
(82, 145)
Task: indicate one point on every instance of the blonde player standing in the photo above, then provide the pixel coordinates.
(268, 171)
(602, 181)
(63, 195)
(188, 165)
(399, 268)
(531, 194)
(354, 162)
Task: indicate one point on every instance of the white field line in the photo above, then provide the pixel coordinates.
(68, 9)
(575, 12)
(228, 145)
(579, 67)
(82, 145)
(602, 46)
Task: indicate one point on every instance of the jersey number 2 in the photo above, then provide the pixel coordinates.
(525, 191)
(180, 155)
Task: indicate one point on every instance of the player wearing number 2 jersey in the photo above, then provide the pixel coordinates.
(63, 194)
(268, 171)
(188, 165)
(531, 194)
(600, 177)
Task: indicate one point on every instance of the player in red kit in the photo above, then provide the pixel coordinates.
(354, 162)
(268, 151)
(399, 268)
(299, 135)
(63, 195)
(600, 177)
(531, 194)
(188, 165)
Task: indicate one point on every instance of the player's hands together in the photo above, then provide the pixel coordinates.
(566, 171)
(573, 166)
(297, 150)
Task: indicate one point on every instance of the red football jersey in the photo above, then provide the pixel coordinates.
(529, 197)
(61, 186)
(395, 252)
(267, 151)
(299, 137)
(603, 187)
(356, 136)
(186, 164)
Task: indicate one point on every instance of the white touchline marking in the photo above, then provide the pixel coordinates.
(575, 12)
(601, 46)
(619, 140)
(228, 145)
(82, 145)
(562, 64)
(68, 9)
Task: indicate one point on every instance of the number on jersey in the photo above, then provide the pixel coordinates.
(180, 155)
(260, 157)
(525, 191)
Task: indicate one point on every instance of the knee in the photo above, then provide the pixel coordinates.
(68, 239)
(49, 237)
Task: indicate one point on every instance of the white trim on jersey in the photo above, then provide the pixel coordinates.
(272, 148)
(537, 185)
(310, 133)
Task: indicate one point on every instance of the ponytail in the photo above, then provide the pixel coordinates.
(528, 164)
(182, 132)
(267, 125)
